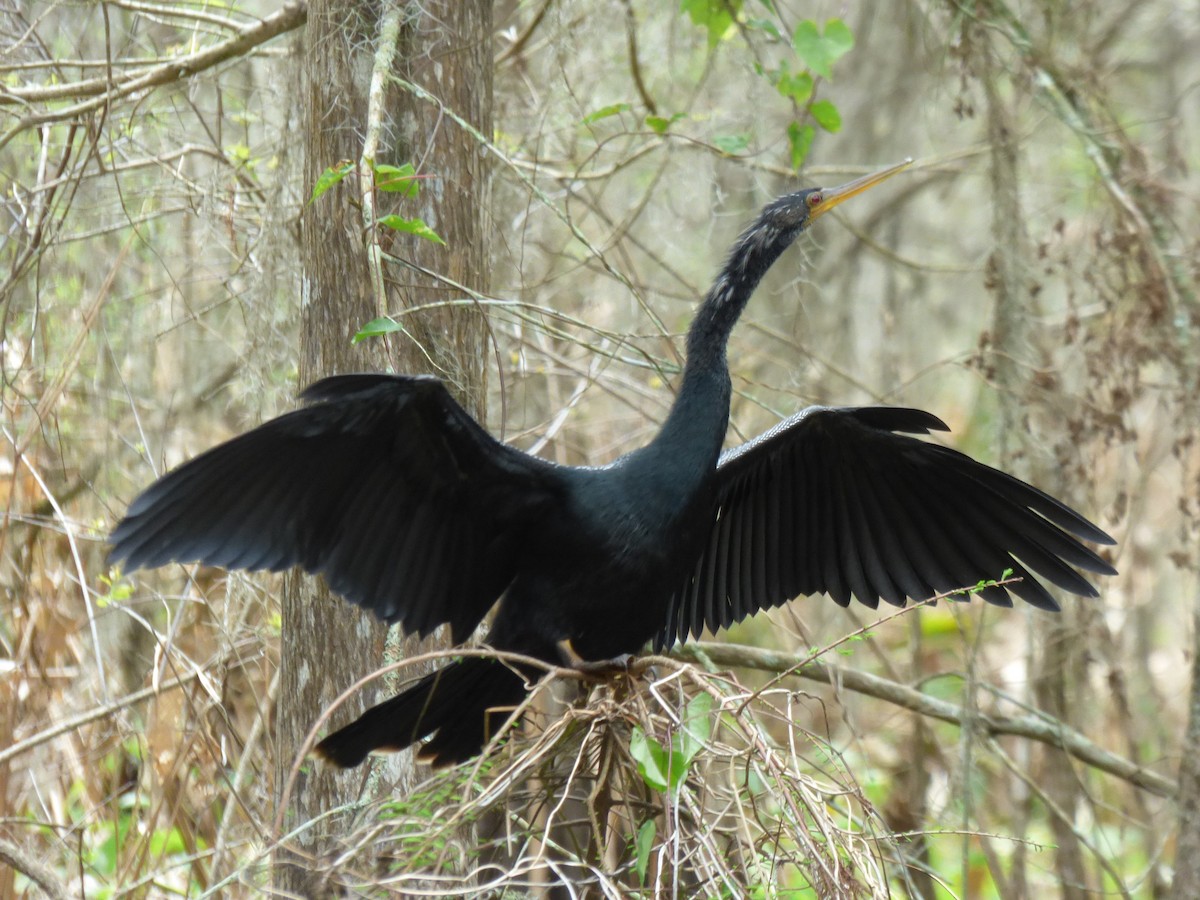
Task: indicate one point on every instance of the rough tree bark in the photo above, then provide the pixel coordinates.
(445, 47)
(1186, 883)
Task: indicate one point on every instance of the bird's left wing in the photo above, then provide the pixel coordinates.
(383, 484)
(835, 501)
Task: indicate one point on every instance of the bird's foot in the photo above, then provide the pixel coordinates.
(598, 668)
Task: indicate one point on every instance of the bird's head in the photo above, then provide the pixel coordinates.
(792, 213)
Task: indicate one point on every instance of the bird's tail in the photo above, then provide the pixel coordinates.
(465, 703)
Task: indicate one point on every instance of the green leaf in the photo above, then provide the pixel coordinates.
(660, 124)
(410, 226)
(376, 328)
(613, 109)
(798, 86)
(651, 759)
(819, 51)
(240, 155)
(839, 39)
(716, 16)
(827, 115)
(800, 138)
(696, 730)
(165, 841)
(731, 144)
(643, 846)
(806, 41)
(397, 179)
(330, 177)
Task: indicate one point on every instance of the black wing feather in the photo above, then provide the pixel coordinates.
(836, 501)
(375, 484)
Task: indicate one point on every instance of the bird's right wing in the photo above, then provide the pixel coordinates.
(834, 501)
(381, 483)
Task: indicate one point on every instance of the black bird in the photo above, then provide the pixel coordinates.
(388, 488)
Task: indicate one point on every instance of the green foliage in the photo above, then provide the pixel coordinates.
(796, 86)
(813, 51)
(397, 179)
(660, 124)
(653, 763)
(731, 144)
(417, 844)
(715, 16)
(410, 226)
(817, 51)
(664, 770)
(118, 835)
(820, 50)
(800, 138)
(378, 327)
(241, 156)
(642, 847)
(826, 115)
(117, 589)
(985, 583)
(330, 177)
(390, 179)
(604, 112)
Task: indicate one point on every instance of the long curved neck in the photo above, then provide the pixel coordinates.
(697, 421)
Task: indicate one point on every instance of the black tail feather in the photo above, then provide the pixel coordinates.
(465, 703)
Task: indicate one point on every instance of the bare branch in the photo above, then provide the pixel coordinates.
(33, 869)
(1044, 730)
(290, 17)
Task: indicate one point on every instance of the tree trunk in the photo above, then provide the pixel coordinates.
(444, 46)
(1186, 883)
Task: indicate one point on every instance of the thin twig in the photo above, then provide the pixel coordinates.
(33, 869)
(101, 711)
(290, 17)
(1044, 730)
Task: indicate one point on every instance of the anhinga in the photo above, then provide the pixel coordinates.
(388, 488)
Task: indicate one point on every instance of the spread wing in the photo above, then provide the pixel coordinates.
(834, 501)
(383, 484)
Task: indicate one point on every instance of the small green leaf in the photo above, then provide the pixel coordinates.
(731, 144)
(240, 155)
(819, 51)
(806, 41)
(800, 138)
(643, 846)
(826, 115)
(697, 727)
(839, 39)
(330, 177)
(660, 124)
(410, 226)
(651, 759)
(164, 842)
(798, 86)
(716, 16)
(613, 109)
(397, 179)
(377, 327)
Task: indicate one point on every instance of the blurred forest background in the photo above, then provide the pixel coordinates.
(1032, 281)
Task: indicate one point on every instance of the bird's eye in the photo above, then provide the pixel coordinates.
(814, 199)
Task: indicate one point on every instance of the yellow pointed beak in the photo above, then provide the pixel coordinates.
(831, 197)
